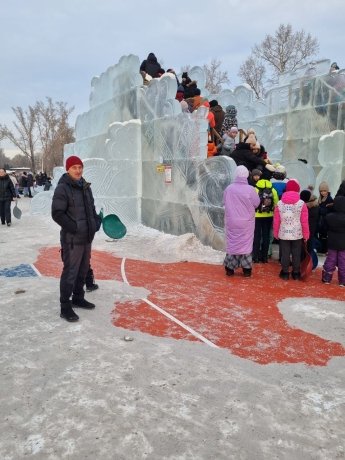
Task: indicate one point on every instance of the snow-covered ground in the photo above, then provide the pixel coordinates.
(80, 391)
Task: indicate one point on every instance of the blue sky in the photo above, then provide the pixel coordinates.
(54, 48)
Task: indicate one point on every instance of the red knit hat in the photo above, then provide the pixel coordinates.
(292, 186)
(73, 160)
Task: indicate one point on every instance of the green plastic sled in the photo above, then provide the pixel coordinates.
(112, 226)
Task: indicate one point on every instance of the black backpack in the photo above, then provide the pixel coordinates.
(266, 199)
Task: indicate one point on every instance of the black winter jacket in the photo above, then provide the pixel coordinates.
(341, 190)
(242, 155)
(74, 210)
(7, 191)
(336, 225)
(150, 65)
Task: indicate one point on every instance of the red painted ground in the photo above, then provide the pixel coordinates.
(237, 313)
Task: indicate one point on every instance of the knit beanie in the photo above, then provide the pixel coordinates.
(256, 172)
(73, 160)
(213, 103)
(323, 186)
(305, 195)
(241, 171)
(292, 186)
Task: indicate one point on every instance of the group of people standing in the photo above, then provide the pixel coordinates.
(293, 222)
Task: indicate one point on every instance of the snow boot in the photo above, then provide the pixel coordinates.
(284, 275)
(82, 303)
(91, 287)
(247, 272)
(90, 280)
(326, 277)
(67, 312)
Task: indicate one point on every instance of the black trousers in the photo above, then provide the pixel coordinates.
(261, 241)
(76, 261)
(293, 248)
(5, 211)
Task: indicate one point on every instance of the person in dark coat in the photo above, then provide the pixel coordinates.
(243, 155)
(24, 183)
(7, 193)
(325, 207)
(335, 222)
(313, 216)
(73, 209)
(313, 213)
(189, 86)
(30, 184)
(230, 119)
(218, 113)
(341, 189)
(150, 66)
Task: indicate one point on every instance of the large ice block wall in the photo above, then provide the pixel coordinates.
(147, 161)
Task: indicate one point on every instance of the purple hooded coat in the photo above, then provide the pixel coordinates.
(240, 201)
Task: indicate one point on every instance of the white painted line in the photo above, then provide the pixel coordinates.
(35, 269)
(123, 273)
(168, 315)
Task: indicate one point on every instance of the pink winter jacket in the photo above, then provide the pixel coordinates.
(290, 219)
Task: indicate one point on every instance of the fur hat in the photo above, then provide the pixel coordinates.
(280, 168)
(256, 172)
(292, 186)
(251, 139)
(73, 160)
(241, 171)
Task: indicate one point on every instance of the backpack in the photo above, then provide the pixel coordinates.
(266, 199)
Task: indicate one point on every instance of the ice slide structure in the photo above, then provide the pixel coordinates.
(146, 159)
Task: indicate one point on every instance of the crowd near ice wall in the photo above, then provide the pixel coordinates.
(147, 161)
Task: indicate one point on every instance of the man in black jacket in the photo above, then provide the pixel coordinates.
(73, 209)
(7, 193)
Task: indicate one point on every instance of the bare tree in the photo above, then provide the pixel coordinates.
(24, 135)
(40, 131)
(54, 131)
(252, 71)
(3, 158)
(286, 49)
(215, 77)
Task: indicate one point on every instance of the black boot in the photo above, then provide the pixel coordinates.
(67, 312)
(247, 272)
(296, 275)
(91, 287)
(284, 275)
(90, 280)
(82, 303)
(229, 271)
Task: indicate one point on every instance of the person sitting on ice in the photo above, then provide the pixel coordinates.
(150, 67)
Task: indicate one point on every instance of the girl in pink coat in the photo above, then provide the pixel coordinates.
(291, 227)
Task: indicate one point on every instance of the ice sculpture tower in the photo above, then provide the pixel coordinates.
(147, 161)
